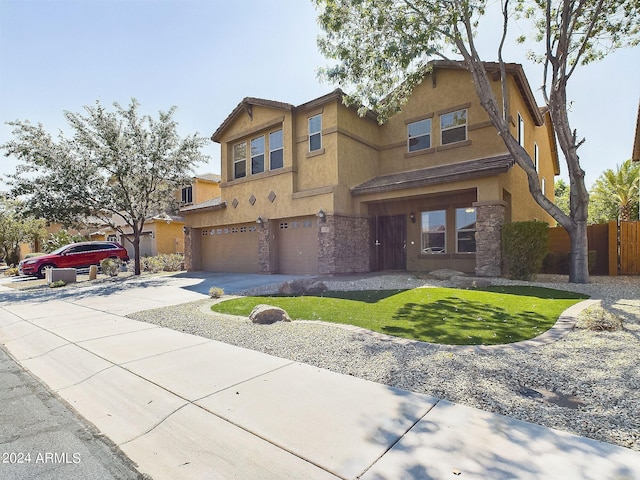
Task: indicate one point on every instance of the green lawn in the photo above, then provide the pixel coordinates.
(438, 315)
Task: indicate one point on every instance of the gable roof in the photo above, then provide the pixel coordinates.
(483, 167)
(210, 177)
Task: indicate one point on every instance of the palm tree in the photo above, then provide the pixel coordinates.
(615, 193)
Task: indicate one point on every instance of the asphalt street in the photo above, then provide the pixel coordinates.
(41, 437)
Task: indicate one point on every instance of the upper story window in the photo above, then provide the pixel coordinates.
(419, 134)
(536, 157)
(520, 130)
(240, 160)
(433, 231)
(315, 133)
(276, 150)
(187, 195)
(257, 155)
(466, 230)
(453, 126)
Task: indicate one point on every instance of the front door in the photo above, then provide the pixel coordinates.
(392, 242)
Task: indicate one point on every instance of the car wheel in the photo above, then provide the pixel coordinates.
(43, 268)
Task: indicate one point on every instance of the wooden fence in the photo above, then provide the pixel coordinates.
(617, 247)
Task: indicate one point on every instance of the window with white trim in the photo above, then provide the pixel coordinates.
(536, 156)
(466, 230)
(276, 150)
(434, 231)
(257, 155)
(240, 160)
(453, 127)
(187, 195)
(419, 135)
(520, 130)
(315, 133)
(543, 186)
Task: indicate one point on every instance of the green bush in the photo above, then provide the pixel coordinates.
(560, 262)
(161, 263)
(524, 247)
(60, 239)
(59, 283)
(111, 266)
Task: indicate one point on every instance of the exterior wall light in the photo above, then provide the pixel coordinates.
(322, 216)
(412, 217)
(260, 221)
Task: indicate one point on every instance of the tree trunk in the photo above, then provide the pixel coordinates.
(579, 266)
(136, 253)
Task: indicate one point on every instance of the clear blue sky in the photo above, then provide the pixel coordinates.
(205, 56)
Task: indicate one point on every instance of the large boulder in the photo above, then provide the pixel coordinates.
(469, 282)
(301, 287)
(267, 314)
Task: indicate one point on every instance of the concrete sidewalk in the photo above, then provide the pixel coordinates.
(185, 407)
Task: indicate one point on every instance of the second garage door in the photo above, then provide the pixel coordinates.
(298, 245)
(230, 249)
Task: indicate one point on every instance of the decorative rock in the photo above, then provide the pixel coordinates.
(267, 314)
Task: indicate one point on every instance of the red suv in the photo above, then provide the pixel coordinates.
(75, 255)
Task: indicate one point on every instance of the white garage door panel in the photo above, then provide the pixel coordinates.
(298, 246)
(233, 251)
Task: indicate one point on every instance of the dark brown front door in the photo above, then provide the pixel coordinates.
(392, 242)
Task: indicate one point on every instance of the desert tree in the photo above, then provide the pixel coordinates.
(17, 228)
(381, 49)
(117, 167)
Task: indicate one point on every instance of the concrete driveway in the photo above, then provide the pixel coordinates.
(185, 407)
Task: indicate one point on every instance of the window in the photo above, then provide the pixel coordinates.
(543, 186)
(315, 135)
(433, 231)
(453, 127)
(466, 230)
(257, 155)
(536, 156)
(187, 194)
(240, 160)
(419, 135)
(520, 130)
(276, 151)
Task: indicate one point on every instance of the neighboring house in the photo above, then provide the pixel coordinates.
(315, 188)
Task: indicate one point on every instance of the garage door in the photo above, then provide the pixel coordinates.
(230, 249)
(298, 245)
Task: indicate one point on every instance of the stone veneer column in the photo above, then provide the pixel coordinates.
(343, 245)
(490, 217)
(188, 249)
(264, 247)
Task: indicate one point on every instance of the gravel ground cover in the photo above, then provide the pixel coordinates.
(587, 383)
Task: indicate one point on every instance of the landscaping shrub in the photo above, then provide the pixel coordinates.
(59, 283)
(599, 319)
(111, 266)
(161, 263)
(60, 239)
(216, 292)
(11, 271)
(524, 247)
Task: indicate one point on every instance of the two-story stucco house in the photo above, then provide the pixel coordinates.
(315, 188)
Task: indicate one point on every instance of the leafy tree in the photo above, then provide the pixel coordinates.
(60, 239)
(561, 193)
(117, 167)
(614, 194)
(16, 228)
(384, 47)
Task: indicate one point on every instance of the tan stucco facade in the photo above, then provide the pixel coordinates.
(355, 175)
